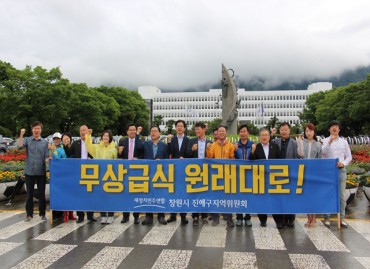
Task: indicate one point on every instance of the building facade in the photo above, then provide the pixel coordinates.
(256, 107)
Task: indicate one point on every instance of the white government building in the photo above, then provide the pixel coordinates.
(257, 107)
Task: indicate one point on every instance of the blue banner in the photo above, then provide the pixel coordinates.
(195, 185)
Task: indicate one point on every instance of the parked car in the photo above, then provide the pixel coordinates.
(6, 140)
(3, 148)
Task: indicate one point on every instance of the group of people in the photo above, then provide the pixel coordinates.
(179, 146)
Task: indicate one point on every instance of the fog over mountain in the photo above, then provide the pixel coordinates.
(262, 84)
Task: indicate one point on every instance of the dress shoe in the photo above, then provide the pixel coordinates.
(263, 224)
(79, 220)
(290, 223)
(92, 219)
(171, 219)
(147, 221)
(216, 221)
(230, 223)
(184, 220)
(195, 222)
(162, 221)
(124, 220)
(136, 221)
(279, 225)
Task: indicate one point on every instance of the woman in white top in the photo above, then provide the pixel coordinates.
(309, 148)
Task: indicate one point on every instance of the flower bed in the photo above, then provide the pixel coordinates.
(359, 170)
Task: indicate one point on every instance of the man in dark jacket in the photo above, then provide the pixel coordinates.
(177, 147)
(78, 150)
(266, 150)
(197, 149)
(130, 148)
(154, 150)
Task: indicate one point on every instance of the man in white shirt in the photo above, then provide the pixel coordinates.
(337, 147)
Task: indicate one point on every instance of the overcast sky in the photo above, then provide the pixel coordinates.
(181, 44)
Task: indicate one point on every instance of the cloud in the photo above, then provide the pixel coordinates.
(181, 44)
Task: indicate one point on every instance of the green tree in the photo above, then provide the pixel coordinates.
(32, 94)
(157, 120)
(309, 112)
(170, 124)
(213, 125)
(272, 123)
(132, 108)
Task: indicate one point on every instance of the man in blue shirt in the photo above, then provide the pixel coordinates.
(37, 155)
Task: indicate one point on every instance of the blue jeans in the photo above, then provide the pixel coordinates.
(342, 179)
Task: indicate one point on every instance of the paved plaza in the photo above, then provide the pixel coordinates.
(38, 244)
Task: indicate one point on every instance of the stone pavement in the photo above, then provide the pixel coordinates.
(38, 244)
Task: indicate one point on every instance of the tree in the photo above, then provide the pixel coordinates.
(272, 123)
(157, 120)
(132, 108)
(309, 112)
(169, 125)
(213, 125)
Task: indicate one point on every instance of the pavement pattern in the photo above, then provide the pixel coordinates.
(39, 244)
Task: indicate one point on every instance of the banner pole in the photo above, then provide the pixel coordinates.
(338, 218)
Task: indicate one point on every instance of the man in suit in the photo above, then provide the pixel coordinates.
(288, 150)
(128, 149)
(266, 150)
(154, 150)
(177, 147)
(197, 149)
(78, 150)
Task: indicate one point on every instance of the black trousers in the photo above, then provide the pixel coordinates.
(30, 184)
(81, 215)
(277, 217)
(181, 214)
(240, 216)
(196, 215)
(150, 215)
(126, 215)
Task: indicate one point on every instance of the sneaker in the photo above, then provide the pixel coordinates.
(263, 224)
(205, 221)
(109, 220)
(239, 222)
(103, 220)
(28, 218)
(343, 224)
(216, 221)
(327, 222)
(248, 222)
(43, 218)
(195, 222)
